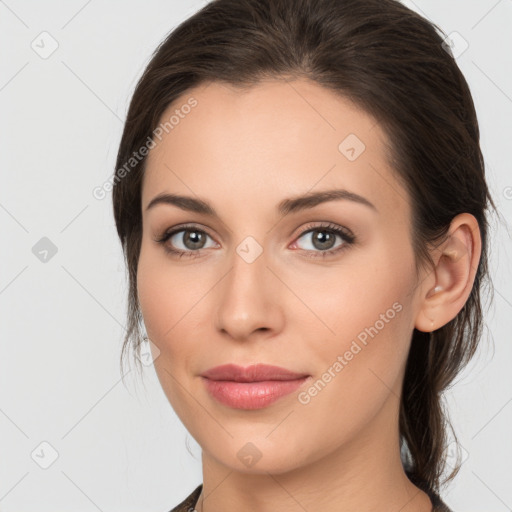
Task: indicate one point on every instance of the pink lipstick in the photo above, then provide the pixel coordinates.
(252, 387)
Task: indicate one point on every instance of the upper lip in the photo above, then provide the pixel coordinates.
(253, 373)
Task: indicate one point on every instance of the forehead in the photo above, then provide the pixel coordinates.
(273, 140)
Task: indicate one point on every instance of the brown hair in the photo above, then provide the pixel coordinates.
(394, 65)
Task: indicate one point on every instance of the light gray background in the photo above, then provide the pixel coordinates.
(121, 447)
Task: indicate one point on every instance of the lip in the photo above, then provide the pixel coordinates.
(252, 387)
(253, 373)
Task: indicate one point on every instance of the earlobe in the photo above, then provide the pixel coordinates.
(451, 281)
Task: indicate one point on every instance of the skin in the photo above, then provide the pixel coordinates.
(244, 152)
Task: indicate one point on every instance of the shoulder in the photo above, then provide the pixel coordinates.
(189, 503)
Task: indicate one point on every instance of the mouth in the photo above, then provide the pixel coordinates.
(253, 387)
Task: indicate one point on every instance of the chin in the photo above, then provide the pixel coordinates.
(257, 456)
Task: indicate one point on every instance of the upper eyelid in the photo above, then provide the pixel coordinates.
(173, 231)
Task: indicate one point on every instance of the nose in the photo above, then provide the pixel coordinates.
(249, 301)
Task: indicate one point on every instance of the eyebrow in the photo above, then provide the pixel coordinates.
(285, 207)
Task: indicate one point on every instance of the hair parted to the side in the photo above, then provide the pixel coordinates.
(393, 64)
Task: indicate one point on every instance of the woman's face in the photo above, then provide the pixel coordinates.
(266, 280)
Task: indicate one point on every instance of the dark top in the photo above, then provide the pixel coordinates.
(188, 505)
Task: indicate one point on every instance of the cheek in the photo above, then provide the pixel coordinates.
(361, 369)
(369, 316)
(152, 300)
(173, 299)
(166, 300)
(345, 304)
(163, 293)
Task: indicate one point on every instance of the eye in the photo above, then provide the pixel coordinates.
(185, 241)
(188, 241)
(321, 239)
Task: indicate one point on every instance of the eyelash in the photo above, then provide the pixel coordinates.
(347, 236)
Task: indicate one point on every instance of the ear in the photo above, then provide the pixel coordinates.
(445, 290)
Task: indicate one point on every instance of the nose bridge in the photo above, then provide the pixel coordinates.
(248, 299)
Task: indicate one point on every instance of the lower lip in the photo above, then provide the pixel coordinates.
(251, 395)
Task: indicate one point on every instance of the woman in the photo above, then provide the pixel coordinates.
(301, 199)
